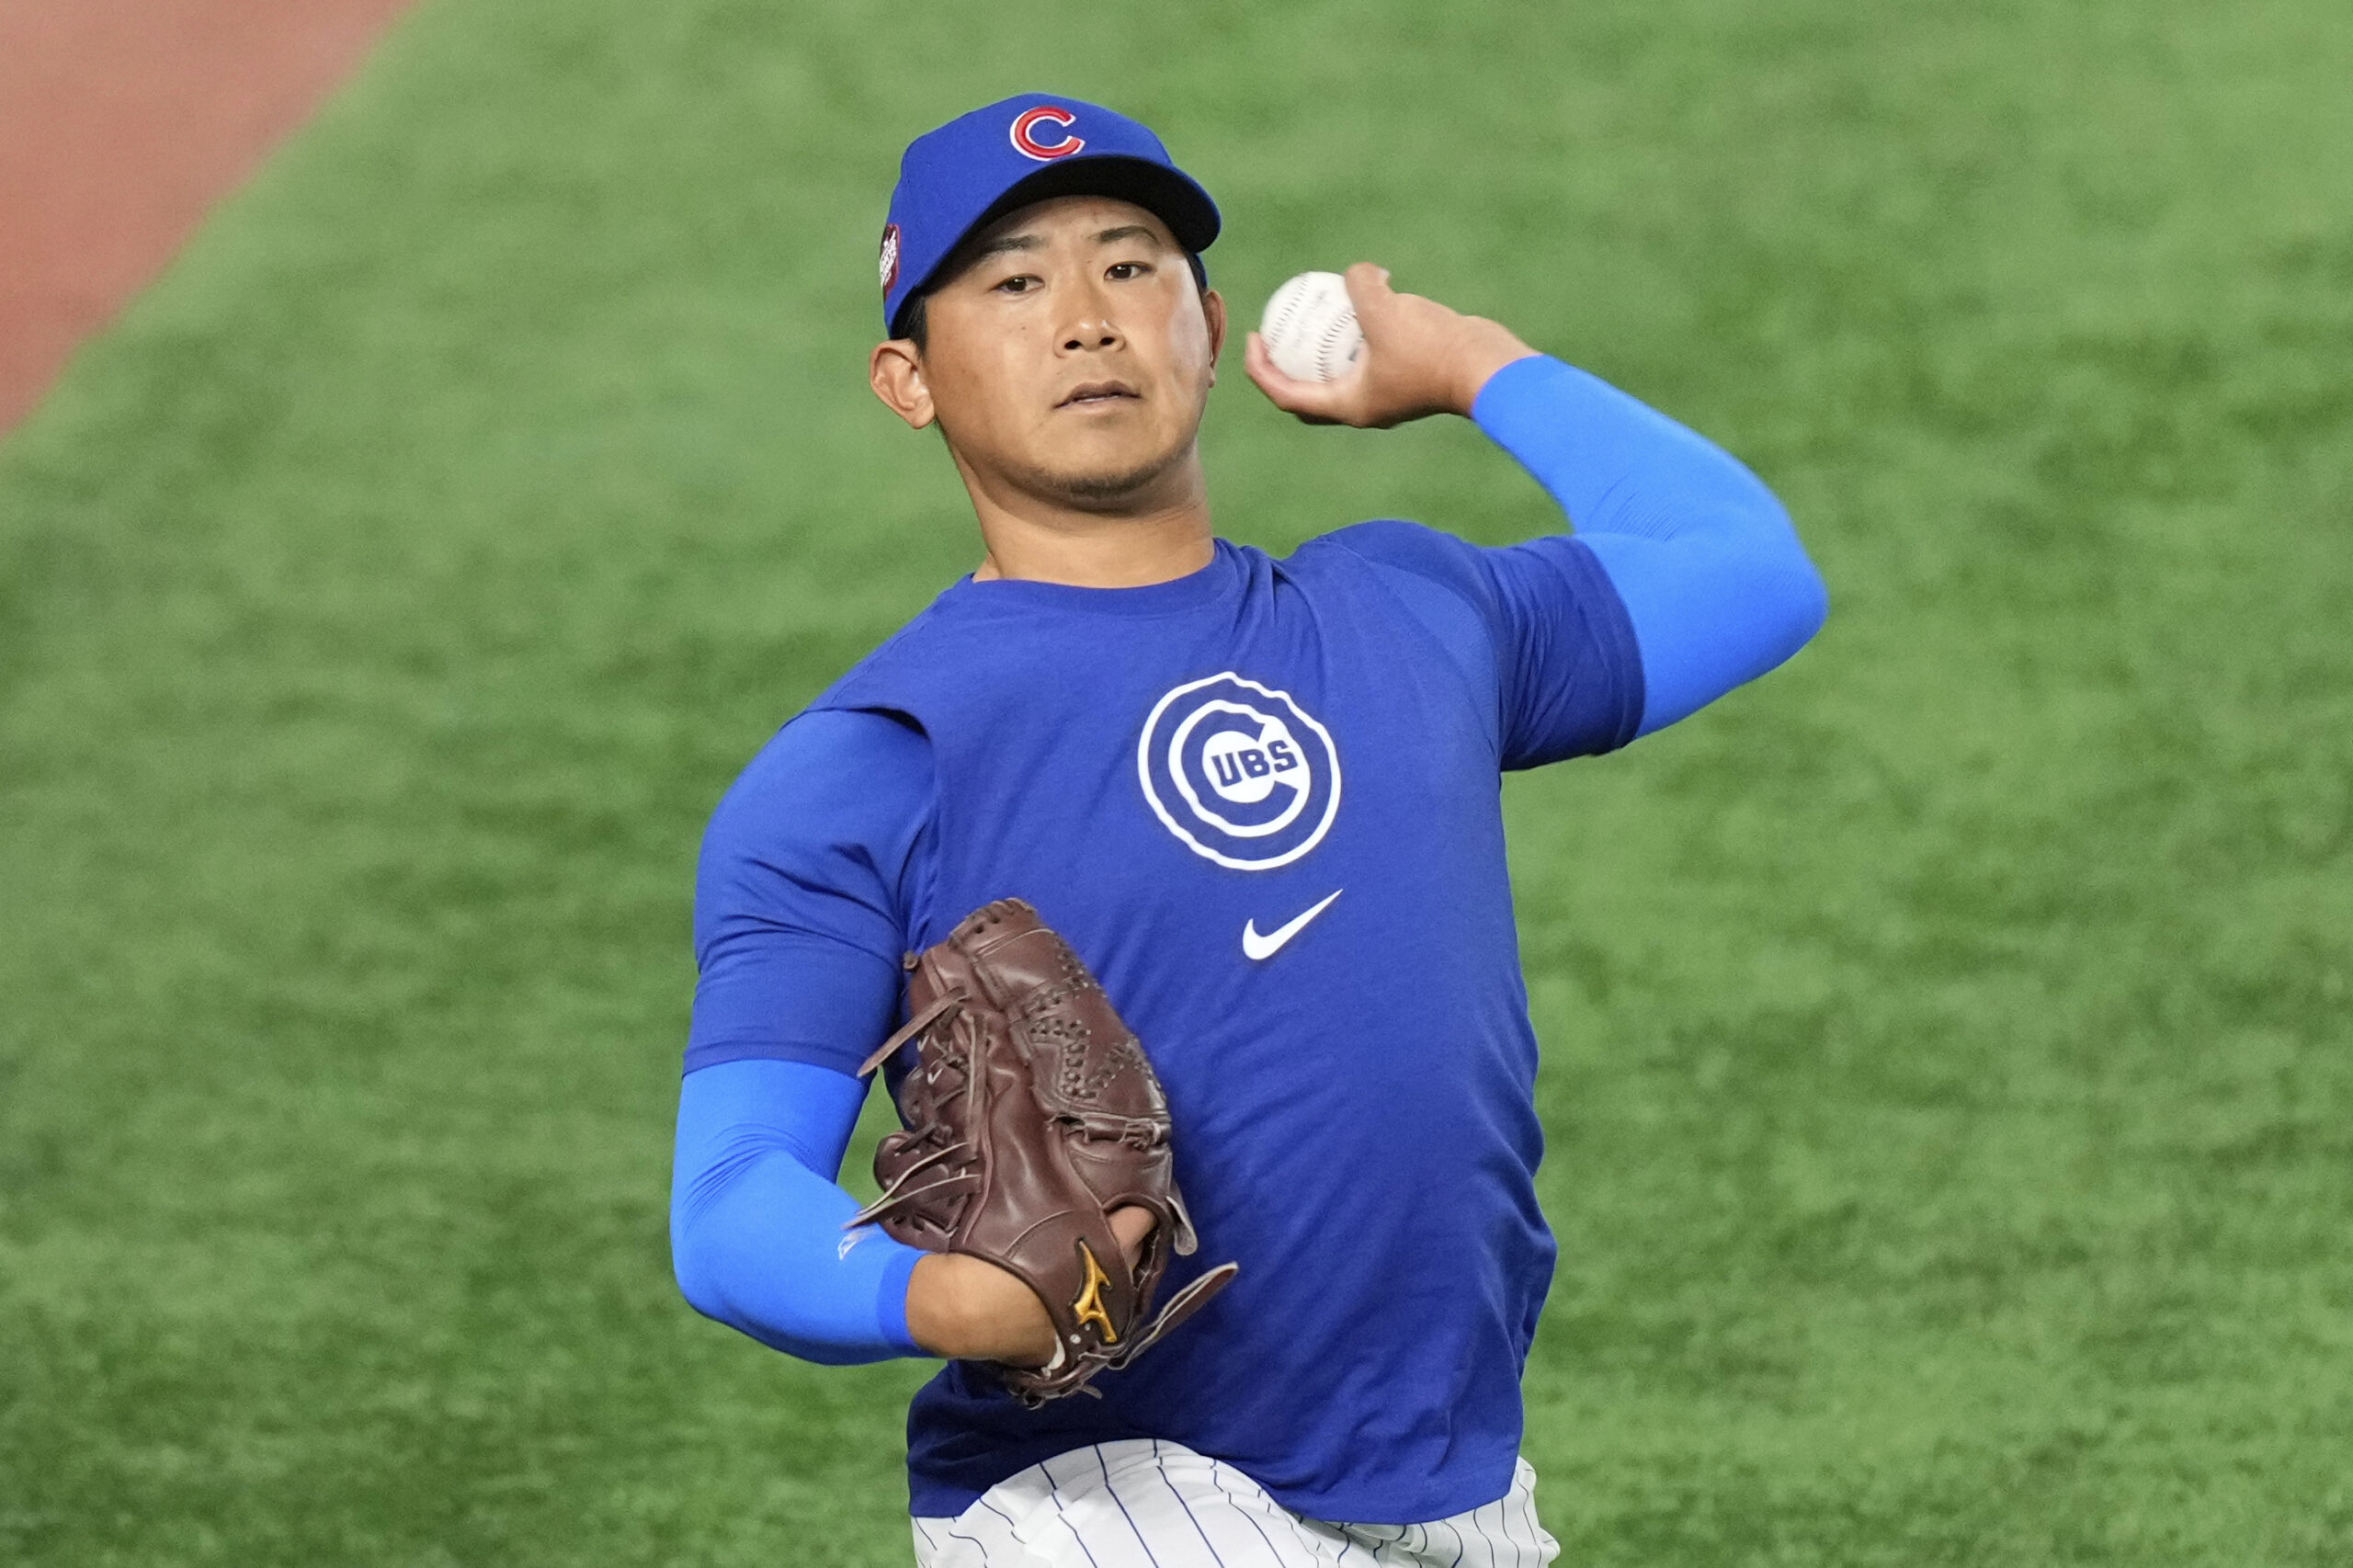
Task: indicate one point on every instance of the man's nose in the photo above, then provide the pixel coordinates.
(1093, 333)
(1092, 330)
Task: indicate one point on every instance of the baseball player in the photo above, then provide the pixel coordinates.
(1260, 798)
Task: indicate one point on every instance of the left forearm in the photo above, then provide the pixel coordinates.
(756, 1220)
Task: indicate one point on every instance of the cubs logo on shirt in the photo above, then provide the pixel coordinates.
(1239, 772)
(1055, 142)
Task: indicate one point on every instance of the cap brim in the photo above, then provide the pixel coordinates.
(1160, 190)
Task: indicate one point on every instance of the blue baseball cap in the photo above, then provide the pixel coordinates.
(979, 166)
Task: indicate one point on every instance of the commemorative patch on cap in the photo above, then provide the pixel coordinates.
(889, 256)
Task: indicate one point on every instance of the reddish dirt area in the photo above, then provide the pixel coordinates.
(121, 122)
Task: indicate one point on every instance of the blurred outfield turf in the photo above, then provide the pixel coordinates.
(1947, 1040)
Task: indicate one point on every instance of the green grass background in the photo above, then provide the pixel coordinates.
(1946, 1040)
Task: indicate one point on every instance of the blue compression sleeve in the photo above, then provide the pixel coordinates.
(756, 1220)
(1700, 552)
(798, 929)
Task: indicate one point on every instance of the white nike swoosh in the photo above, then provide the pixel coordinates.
(1254, 946)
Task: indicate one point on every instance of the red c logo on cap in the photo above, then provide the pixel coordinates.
(1025, 138)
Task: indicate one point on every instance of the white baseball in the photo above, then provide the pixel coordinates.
(1310, 327)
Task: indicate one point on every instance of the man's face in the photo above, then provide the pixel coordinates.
(1072, 355)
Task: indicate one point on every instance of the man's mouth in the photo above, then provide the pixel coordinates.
(1094, 394)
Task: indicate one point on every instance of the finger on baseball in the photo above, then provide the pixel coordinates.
(1313, 400)
(1368, 289)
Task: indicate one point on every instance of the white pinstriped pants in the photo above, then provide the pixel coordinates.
(1143, 1503)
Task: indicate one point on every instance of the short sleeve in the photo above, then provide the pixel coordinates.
(808, 868)
(1567, 675)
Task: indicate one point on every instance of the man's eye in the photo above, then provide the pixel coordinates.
(1121, 271)
(1020, 283)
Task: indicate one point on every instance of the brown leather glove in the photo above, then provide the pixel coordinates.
(1030, 1115)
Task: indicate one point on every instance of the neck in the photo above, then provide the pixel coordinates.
(1158, 533)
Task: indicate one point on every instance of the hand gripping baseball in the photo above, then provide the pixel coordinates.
(1030, 1115)
(1419, 359)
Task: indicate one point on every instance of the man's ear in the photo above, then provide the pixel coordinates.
(895, 371)
(1213, 312)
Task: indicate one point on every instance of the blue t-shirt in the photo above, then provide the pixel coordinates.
(1162, 771)
(1174, 775)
